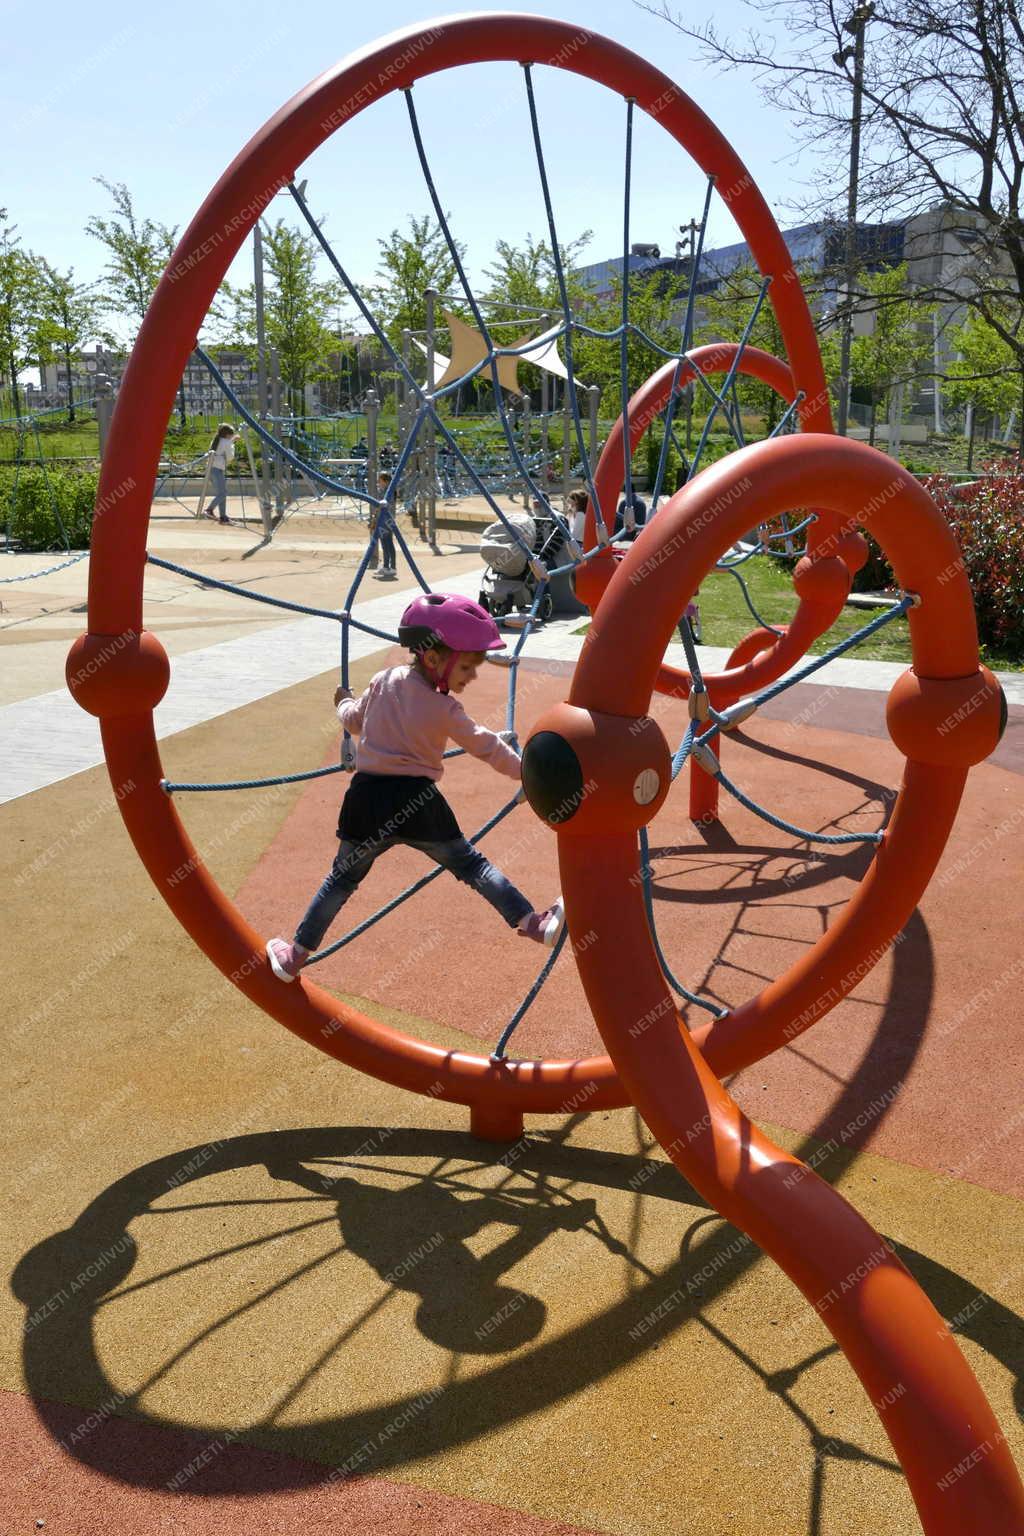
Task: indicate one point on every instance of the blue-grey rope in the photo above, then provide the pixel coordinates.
(170, 788)
(47, 410)
(386, 520)
(733, 368)
(692, 660)
(781, 425)
(690, 739)
(684, 749)
(535, 562)
(771, 538)
(410, 890)
(50, 569)
(405, 373)
(471, 300)
(789, 533)
(748, 554)
(685, 343)
(556, 256)
(749, 600)
(788, 826)
(646, 873)
(627, 185)
(736, 418)
(255, 597)
(773, 690)
(309, 470)
(514, 1022)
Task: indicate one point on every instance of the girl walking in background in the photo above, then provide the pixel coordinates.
(222, 451)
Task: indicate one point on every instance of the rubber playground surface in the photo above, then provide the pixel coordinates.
(252, 1290)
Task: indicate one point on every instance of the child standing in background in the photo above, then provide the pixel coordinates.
(222, 451)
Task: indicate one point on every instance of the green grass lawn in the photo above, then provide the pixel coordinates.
(66, 440)
(80, 440)
(725, 617)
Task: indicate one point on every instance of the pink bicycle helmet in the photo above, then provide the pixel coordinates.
(445, 618)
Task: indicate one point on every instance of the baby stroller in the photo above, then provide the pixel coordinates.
(510, 581)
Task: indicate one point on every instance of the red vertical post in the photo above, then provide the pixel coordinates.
(704, 787)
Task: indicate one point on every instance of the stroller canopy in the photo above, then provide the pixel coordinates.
(498, 550)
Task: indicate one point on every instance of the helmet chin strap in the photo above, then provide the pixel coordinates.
(446, 671)
(439, 679)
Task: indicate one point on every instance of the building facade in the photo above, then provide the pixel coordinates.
(202, 395)
(940, 247)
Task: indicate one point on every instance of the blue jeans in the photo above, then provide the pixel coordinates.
(387, 547)
(459, 857)
(219, 482)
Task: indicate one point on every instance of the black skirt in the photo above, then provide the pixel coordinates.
(382, 805)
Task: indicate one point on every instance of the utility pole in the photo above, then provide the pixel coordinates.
(261, 358)
(430, 501)
(688, 243)
(261, 346)
(855, 25)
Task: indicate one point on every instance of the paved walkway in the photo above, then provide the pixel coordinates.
(47, 738)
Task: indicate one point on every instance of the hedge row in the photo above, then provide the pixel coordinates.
(47, 509)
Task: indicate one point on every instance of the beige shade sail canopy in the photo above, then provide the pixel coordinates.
(470, 349)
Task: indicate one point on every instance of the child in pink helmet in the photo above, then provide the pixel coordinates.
(403, 722)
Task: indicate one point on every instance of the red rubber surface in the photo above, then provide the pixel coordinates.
(44, 1483)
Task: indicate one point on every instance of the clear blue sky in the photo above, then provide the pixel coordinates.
(163, 99)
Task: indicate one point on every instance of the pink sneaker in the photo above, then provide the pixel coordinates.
(286, 960)
(544, 927)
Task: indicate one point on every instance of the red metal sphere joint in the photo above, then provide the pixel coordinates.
(123, 674)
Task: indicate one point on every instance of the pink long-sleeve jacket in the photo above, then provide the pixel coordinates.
(403, 726)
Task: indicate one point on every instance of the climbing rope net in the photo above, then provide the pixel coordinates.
(383, 502)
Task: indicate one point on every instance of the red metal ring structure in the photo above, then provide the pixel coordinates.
(821, 580)
(945, 715)
(813, 616)
(119, 672)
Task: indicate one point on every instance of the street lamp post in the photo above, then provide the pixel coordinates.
(855, 25)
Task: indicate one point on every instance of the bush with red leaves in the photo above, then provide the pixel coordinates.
(987, 519)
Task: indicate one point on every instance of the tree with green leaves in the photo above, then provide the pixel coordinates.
(657, 303)
(19, 308)
(407, 266)
(724, 315)
(297, 309)
(68, 318)
(941, 123)
(526, 275)
(984, 375)
(138, 251)
(523, 278)
(898, 347)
